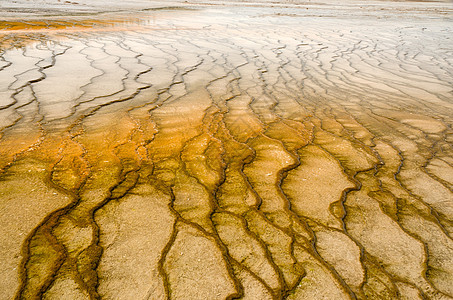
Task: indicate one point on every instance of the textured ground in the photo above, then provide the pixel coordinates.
(257, 151)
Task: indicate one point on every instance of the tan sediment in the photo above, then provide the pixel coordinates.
(125, 226)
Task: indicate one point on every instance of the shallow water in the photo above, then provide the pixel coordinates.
(220, 151)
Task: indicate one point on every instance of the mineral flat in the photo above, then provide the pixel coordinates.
(226, 150)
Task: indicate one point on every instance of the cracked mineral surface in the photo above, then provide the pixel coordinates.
(226, 150)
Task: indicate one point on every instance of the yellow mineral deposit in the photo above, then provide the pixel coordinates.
(227, 150)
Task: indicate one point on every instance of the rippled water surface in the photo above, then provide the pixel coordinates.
(228, 151)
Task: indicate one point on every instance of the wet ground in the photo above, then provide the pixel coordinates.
(252, 150)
